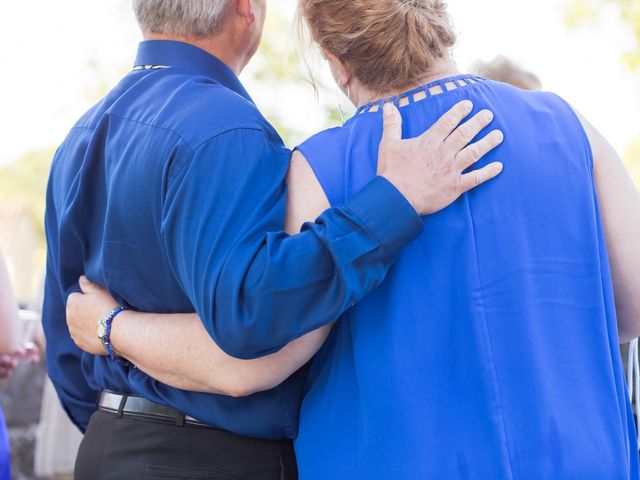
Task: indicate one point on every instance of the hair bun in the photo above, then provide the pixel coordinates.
(387, 44)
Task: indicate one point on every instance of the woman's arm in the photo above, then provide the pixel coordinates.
(9, 322)
(620, 210)
(176, 349)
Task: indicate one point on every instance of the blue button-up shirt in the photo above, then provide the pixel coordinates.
(171, 193)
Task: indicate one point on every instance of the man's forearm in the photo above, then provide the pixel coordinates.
(279, 288)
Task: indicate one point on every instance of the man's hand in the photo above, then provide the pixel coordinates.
(427, 170)
(84, 311)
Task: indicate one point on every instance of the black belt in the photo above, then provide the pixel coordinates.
(140, 407)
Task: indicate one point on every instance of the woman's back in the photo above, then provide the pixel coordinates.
(490, 351)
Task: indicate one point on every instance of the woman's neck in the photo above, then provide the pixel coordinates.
(360, 95)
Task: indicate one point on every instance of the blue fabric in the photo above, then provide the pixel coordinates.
(5, 459)
(491, 349)
(164, 192)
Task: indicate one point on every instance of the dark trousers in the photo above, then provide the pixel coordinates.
(131, 448)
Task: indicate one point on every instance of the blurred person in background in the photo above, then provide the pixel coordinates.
(9, 353)
(490, 351)
(57, 439)
(171, 191)
(503, 69)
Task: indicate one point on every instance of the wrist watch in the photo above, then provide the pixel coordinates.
(104, 332)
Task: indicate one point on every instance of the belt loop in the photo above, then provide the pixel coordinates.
(123, 402)
(180, 420)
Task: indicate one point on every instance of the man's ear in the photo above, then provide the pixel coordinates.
(246, 10)
(340, 71)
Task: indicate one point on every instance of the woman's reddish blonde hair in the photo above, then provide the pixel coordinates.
(386, 44)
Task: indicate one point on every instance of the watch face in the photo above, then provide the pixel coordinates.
(102, 330)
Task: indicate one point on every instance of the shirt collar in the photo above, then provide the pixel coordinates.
(171, 53)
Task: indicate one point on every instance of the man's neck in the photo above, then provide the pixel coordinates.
(216, 46)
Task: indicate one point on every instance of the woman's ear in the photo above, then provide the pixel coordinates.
(339, 70)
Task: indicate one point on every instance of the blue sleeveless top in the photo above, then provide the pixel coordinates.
(5, 461)
(491, 349)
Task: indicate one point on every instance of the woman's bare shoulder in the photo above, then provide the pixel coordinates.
(306, 199)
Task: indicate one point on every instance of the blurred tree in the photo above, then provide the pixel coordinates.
(584, 11)
(25, 181)
(632, 158)
(580, 12)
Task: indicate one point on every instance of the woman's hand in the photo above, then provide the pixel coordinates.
(8, 364)
(27, 354)
(84, 311)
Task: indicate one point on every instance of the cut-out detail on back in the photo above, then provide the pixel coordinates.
(422, 93)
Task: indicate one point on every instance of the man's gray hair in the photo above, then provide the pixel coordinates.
(181, 18)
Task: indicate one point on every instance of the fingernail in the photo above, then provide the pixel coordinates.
(498, 137)
(487, 115)
(468, 105)
(387, 110)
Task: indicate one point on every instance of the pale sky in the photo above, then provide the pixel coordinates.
(48, 80)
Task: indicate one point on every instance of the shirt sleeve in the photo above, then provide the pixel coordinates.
(63, 356)
(256, 288)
